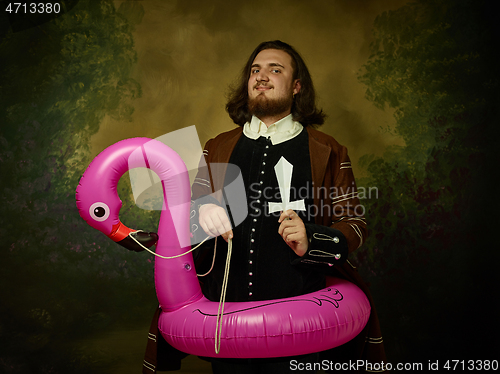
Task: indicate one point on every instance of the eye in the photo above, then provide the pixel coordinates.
(255, 71)
(276, 71)
(99, 211)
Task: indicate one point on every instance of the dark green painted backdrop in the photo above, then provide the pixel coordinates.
(412, 90)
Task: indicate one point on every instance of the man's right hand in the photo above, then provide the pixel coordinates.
(214, 221)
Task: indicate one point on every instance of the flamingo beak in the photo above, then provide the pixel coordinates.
(122, 235)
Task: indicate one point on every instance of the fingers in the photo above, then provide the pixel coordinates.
(289, 218)
(296, 238)
(223, 224)
(216, 225)
(288, 214)
(289, 233)
(293, 232)
(214, 221)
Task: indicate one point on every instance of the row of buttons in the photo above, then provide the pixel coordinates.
(252, 240)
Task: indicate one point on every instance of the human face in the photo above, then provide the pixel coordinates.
(271, 85)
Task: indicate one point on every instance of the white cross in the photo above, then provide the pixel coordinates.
(283, 170)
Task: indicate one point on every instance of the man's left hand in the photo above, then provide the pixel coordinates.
(293, 232)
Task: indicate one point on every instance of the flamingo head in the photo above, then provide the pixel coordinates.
(98, 202)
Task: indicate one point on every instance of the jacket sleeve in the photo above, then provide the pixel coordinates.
(348, 215)
(347, 231)
(202, 184)
(202, 192)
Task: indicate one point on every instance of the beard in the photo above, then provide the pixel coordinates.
(262, 106)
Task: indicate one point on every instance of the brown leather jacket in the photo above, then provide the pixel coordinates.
(335, 192)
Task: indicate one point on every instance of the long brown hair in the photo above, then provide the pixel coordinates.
(304, 108)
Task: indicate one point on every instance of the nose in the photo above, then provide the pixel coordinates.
(261, 76)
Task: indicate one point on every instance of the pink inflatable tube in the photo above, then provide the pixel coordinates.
(299, 325)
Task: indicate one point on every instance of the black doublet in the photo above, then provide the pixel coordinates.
(261, 260)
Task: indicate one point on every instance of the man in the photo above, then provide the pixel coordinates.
(276, 255)
(279, 254)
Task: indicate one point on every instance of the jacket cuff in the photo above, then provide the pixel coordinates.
(205, 199)
(326, 246)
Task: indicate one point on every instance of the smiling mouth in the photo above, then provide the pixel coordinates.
(262, 87)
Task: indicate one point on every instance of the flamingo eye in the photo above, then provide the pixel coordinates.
(99, 211)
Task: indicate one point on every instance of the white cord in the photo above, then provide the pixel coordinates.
(213, 261)
(165, 257)
(185, 253)
(220, 310)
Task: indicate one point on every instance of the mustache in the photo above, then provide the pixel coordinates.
(263, 85)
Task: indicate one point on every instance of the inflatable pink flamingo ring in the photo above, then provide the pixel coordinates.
(274, 328)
